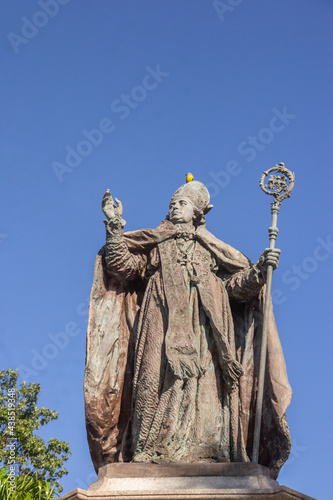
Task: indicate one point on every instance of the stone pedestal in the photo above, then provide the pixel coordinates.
(225, 481)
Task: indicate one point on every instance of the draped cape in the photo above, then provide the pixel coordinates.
(111, 337)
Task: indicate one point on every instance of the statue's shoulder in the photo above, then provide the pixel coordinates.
(166, 225)
(221, 250)
(207, 237)
(145, 239)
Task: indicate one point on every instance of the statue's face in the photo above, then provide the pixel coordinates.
(180, 211)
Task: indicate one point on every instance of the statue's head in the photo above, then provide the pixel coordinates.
(189, 203)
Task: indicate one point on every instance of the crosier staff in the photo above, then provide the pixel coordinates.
(279, 187)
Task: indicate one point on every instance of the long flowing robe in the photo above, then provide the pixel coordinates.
(173, 349)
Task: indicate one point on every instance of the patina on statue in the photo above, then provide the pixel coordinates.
(173, 345)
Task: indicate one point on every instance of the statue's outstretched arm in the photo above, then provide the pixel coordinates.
(120, 262)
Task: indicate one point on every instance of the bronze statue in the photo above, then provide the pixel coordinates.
(173, 345)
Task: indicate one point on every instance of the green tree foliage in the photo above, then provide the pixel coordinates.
(26, 488)
(34, 459)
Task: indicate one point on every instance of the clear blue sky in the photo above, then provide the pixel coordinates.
(172, 86)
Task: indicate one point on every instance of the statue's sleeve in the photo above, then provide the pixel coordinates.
(245, 284)
(120, 262)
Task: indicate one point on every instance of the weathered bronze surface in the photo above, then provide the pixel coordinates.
(173, 345)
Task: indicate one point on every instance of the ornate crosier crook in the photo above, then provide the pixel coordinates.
(280, 186)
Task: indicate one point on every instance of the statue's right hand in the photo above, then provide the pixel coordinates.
(108, 205)
(109, 208)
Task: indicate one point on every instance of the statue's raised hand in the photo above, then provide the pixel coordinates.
(110, 210)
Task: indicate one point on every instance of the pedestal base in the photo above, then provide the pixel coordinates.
(225, 481)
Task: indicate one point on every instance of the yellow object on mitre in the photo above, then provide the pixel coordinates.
(189, 177)
(197, 193)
